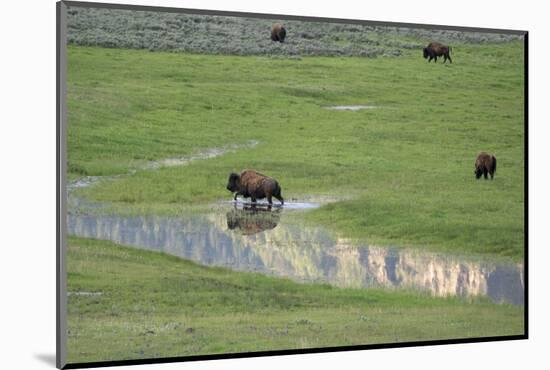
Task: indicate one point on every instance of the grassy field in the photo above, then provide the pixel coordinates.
(141, 90)
(407, 164)
(129, 304)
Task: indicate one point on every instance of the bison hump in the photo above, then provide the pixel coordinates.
(251, 173)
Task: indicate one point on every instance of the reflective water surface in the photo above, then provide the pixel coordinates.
(262, 240)
(352, 107)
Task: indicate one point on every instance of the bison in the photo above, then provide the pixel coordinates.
(435, 49)
(485, 164)
(252, 184)
(278, 32)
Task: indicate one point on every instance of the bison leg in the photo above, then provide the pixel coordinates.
(269, 200)
(450, 60)
(235, 197)
(485, 173)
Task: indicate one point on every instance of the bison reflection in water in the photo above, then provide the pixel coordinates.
(252, 220)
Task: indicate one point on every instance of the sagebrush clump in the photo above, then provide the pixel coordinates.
(159, 31)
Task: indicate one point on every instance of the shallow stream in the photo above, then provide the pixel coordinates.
(270, 241)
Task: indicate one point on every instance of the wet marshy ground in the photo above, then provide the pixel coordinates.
(352, 107)
(260, 240)
(268, 239)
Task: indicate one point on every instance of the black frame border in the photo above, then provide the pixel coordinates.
(61, 196)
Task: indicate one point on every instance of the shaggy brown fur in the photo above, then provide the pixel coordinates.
(278, 32)
(252, 184)
(435, 49)
(485, 164)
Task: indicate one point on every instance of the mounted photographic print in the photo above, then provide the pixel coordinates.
(235, 185)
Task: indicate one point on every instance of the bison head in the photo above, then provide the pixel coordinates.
(233, 182)
(426, 53)
(478, 172)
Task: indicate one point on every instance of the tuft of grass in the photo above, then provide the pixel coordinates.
(139, 304)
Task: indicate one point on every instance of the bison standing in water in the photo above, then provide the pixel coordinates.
(278, 32)
(252, 184)
(485, 164)
(435, 49)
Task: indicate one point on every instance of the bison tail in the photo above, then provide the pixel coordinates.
(277, 190)
(277, 194)
(494, 164)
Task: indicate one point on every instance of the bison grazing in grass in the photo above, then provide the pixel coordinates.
(485, 164)
(435, 49)
(278, 32)
(251, 184)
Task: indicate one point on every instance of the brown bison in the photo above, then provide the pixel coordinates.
(251, 184)
(278, 32)
(435, 49)
(485, 164)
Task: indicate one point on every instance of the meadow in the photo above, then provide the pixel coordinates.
(126, 303)
(146, 87)
(407, 164)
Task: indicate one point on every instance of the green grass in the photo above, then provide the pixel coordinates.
(156, 305)
(408, 165)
